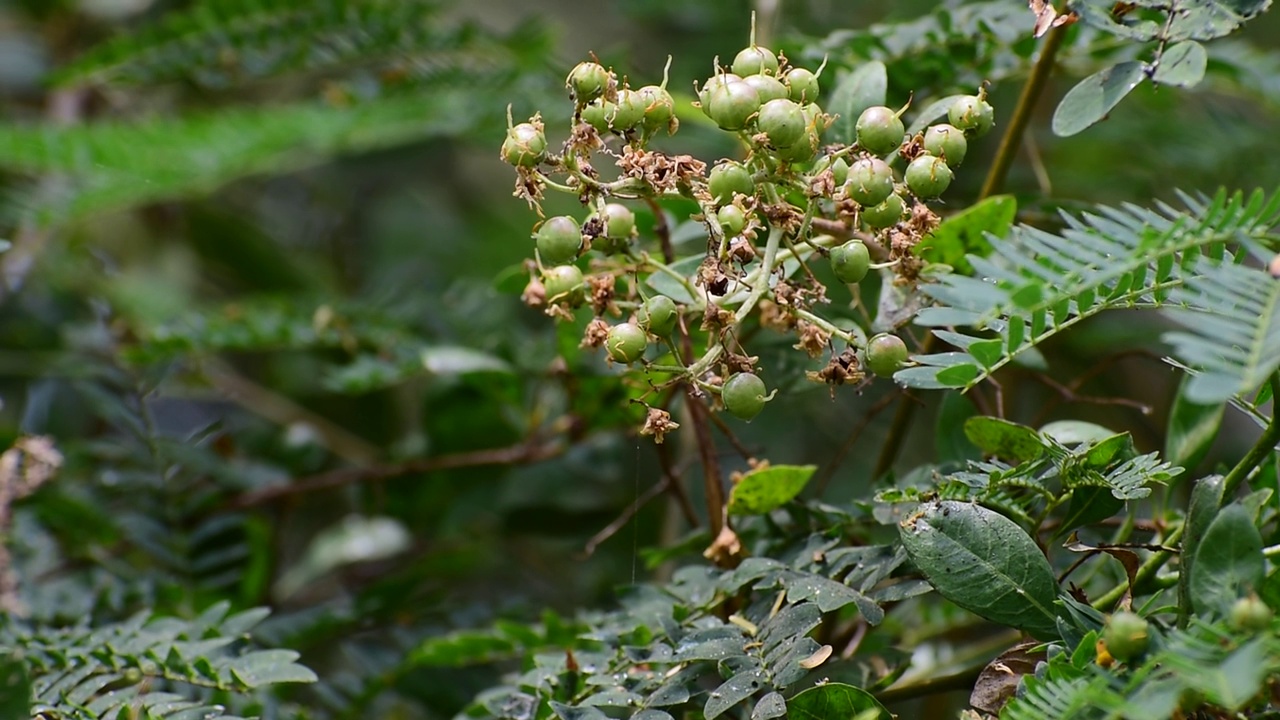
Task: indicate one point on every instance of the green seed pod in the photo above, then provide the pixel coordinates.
(629, 110)
(659, 108)
(928, 177)
(732, 219)
(886, 354)
(880, 130)
(870, 181)
(973, 115)
(947, 142)
(733, 104)
(626, 343)
(1126, 635)
(559, 240)
(783, 121)
(886, 214)
(755, 60)
(728, 178)
(767, 87)
(525, 146)
(587, 81)
(658, 315)
(803, 85)
(743, 395)
(850, 261)
(564, 285)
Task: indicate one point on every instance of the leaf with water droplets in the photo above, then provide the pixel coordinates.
(733, 691)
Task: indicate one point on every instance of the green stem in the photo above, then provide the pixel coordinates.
(1147, 571)
(1027, 101)
(1265, 445)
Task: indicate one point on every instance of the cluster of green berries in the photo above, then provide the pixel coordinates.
(773, 107)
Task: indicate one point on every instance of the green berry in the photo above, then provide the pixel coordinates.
(880, 130)
(587, 81)
(767, 87)
(629, 110)
(619, 222)
(658, 315)
(559, 240)
(947, 142)
(783, 121)
(928, 177)
(755, 60)
(803, 150)
(728, 178)
(802, 84)
(712, 87)
(659, 108)
(1126, 635)
(597, 114)
(732, 219)
(840, 171)
(850, 261)
(1249, 614)
(743, 395)
(733, 104)
(525, 145)
(870, 181)
(564, 284)
(886, 354)
(886, 214)
(973, 115)
(626, 343)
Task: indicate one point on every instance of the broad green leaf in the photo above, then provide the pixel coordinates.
(450, 360)
(965, 233)
(15, 687)
(733, 691)
(764, 490)
(1192, 429)
(570, 712)
(1206, 499)
(1229, 563)
(1095, 96)
(1182, 65)
(949, 439)
(983, 562)
(836, 700)
(1089, 504)
(1001, 438)
(1075, 432)
(857, 91)
(1109, 450)
(664, 284)
(958, 375)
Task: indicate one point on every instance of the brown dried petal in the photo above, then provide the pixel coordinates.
(658, 423)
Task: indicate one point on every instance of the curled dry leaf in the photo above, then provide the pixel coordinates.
(1047, 16)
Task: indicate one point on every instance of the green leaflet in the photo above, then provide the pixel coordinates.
(1095, 96)
(764, 490)
(1004, 439)
(1228, 562)
(983, 562)
(1192, 428)
(836, 700)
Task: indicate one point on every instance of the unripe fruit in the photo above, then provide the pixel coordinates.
(732, 104)
(886, 354)
(767, 87)
(713, 86)
(658, 315)
(598, 114)
(850, 261)
(626, 343)
(525, 145)
(743, 395)
(559, 239)
(732, 219)
(870, 181)
(729, 178)
(629, 110)
(587, 81)
(755, 60)
(803, 150)
(947, 142)
(928, 176)
(659, 108)
(840, 171)
(564, 284)
(886, 214)
(803, 85)
(619, 222)
(880, 130)
(1126, 635)
(1250, 614)
(783, 121)
(973, 115)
